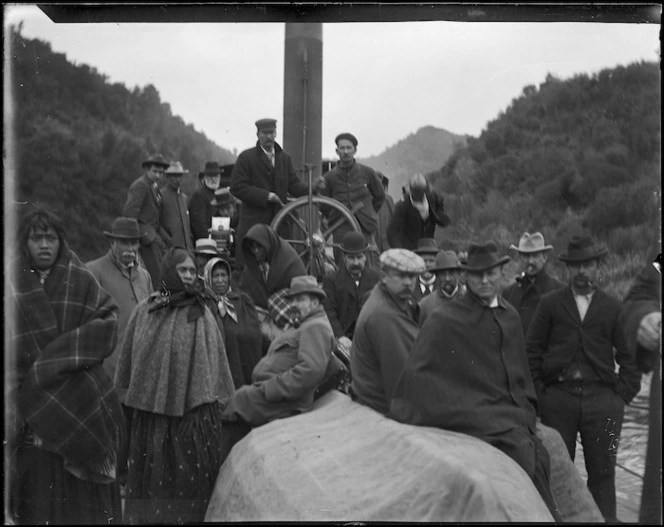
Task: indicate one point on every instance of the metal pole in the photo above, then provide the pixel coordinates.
(310, 227)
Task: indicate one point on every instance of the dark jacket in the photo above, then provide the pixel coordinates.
(358, 184)
(201, 212)
(524, 295)
(407, 227)
(174, 221)
(467, 372)
(384, 217)
(253, 178)
(144, 202)
(345, 299)
(557, 332)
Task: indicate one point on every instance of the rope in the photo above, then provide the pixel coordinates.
(629, 471)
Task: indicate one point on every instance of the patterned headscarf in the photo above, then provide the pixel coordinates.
(226, 307)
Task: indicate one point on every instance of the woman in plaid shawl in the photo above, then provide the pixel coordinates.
(64, 424)
(174, 369)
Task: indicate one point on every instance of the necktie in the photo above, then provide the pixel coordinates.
(272, 158)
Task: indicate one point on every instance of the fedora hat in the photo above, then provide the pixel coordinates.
(531, 243)
(206, 246)
(582, 249)
(176, 168)
(156, 159)
(211, 169)
(482, 257)
(427, 246)
(445, 260)
(354, 243)
(305, 284)
(124, 228)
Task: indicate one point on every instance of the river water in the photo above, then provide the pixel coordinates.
(631, 455)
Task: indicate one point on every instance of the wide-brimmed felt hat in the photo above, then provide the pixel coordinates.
(156, 159)
(124, 228)
(427, 246)
(445, 260)
(305, 284)
(206, 246)
(354, 243)
(583, 249)
(223, 196)
(266, 123)
(211, 169)
(482, 257)
(403, 260)
(531, 243)
(176, 168)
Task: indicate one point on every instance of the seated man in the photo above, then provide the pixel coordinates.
(286, 379)
(448, 284)
(467, 372)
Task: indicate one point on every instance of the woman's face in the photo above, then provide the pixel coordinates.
(187, 272)
(258, 251)
(220, 280)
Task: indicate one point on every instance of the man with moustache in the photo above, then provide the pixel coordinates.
(574, 343)
(534, 281)
(448, 284)
(346, 289)
(385, 330)
(174, 220)
(118, 273)
(426, 283)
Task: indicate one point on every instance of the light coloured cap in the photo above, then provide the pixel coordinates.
(403, 260)
(176, 168)
(206, 246)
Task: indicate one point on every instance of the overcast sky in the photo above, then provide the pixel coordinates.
(382, 81)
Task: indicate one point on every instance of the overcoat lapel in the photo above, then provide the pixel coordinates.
(569, 304)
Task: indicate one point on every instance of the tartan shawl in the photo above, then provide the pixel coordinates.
(63, 332)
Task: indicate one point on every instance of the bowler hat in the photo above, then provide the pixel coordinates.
(266, 123)
(531, 243)
(305, 284)
(155, 159)
(211, 168)
(445, 260)
(176, 168)
(427, 246)
(206, 246)
(418, 181)
(124, 228)
(482, 257)
(354, 243)
(582, 249)
(403, 260)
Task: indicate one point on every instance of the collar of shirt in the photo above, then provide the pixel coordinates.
(270, 155)
(452, 294)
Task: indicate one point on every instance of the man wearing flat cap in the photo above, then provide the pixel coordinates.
(262, 178)
(533, 282)
(467, 372)
(144, 202)
(353, 184)
(118, 273)
(574, 343)
(347, 288)
(428, 249)
(448, 285)
(385, 330)
(296, 363)
(174, 221)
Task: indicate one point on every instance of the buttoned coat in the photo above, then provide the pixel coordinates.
(253, 178)
(557, 332)
(345, 299)
(201, 211)
(524, 295)
(406, 227)
(174, 222)
(144, 203)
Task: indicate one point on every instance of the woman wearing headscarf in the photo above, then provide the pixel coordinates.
(239, 320)
(174, 369)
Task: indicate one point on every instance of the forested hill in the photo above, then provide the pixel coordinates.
(582, 154)
(423, 151)
(80, 140)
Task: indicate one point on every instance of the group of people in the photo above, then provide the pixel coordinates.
(141, 369)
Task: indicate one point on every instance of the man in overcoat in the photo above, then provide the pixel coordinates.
(346, 289)
(534, 281)
(468, 372)
(144, 202)
(174, 221)
(262, 178)
(201, 208)
(385, 330)
(573, 344)
(428, 249)
(448, 284)
(285, 380)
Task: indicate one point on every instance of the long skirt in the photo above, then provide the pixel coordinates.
(44, 492)
(172, 465)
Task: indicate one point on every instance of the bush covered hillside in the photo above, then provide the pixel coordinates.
(80, 140)
(577, 155)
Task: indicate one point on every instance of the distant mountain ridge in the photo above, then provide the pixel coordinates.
(424, 151)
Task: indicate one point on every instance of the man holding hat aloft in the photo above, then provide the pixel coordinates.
(296, 363)
(574, 343)
(385, 330)
(174, 221)
(118, 273)
(448, 285)
(347, 287)
(262, 178)
(533, 282)
(426, 283)
(467, 372)
(144, 202)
